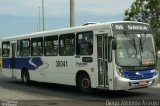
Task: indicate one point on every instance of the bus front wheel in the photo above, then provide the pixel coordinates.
(25, 77)
(84, 83)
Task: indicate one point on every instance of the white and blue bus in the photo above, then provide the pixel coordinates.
(112, 55)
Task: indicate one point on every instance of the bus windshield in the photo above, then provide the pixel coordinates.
(135, 50)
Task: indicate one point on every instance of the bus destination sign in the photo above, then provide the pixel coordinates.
(129, 27)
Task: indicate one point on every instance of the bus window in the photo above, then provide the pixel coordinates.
(18, 49)
(84, 43)
(99, 48)
(67, 45)
(37, 46)
(25, 47)
(51, 46)
(5, 49)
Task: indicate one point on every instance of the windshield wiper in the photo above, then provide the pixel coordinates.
(141, 43)
(131, 41)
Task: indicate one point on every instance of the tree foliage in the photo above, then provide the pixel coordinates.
(147, 11)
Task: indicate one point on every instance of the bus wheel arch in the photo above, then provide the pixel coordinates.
(83, 81)
(25, 76)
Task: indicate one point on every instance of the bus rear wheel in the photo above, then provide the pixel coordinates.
(25, 77)
(84, 83)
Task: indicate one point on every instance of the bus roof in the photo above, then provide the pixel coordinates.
(84, 27)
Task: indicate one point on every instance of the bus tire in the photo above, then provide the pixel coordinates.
(84, 83)
(25, 77)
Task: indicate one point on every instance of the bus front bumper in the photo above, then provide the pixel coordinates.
(126, 84)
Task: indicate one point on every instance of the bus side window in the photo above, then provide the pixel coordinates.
(51, 45)
(67, 45)
(25, 47)
(37, 46)
(84, 43)
(5, 49)
(18, 48)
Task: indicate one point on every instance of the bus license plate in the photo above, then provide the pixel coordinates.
(142, 83)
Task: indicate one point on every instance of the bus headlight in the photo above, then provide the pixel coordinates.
(154, 71)
(120, 71)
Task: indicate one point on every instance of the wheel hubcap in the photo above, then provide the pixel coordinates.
(85, 83)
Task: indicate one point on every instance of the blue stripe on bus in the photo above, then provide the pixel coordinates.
(20, 63)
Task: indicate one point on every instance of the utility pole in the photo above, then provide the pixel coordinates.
(43, 16)
(39, 19)
(72, 16)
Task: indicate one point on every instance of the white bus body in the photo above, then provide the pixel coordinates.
(85, 56)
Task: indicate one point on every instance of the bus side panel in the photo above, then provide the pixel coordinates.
(29, 63)
(94, 75)
(35, 76)
(20, 63)
(61, 70)
(7, 72)
(18, 73)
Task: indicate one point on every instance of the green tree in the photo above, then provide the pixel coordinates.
(147, 11)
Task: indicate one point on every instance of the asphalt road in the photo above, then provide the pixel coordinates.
(44, 94)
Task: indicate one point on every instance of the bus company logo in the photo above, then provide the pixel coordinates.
(139, 74)
(79, 64)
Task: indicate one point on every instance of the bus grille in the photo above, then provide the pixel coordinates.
(138, 75)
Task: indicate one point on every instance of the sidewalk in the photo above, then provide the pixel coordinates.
(158, 86)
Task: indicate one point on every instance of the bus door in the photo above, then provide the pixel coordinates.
(13, 49)
(103, 52)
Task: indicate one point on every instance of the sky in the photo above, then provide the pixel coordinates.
(19, 17)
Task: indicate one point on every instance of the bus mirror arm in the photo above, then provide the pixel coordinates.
(114, 44)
